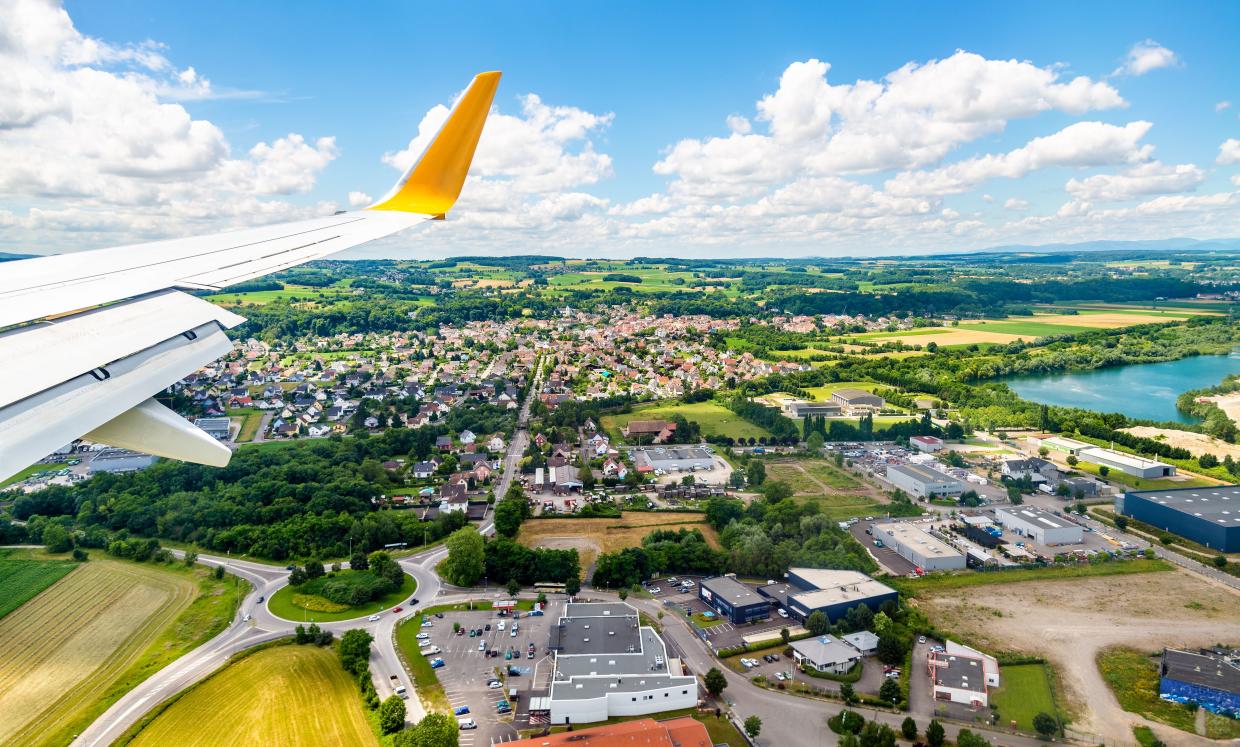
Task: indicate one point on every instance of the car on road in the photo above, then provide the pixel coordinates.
(398, 610)
(413, 601)
(260, 599)
(423, 636)
(373, 618)
(436, 663)
(247, 617)
(460, 710)
(921, 639)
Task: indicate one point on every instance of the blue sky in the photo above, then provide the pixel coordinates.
(640, 84)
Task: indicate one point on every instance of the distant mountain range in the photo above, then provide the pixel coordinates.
(1183, 244)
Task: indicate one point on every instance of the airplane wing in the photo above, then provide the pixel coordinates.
(88, 338)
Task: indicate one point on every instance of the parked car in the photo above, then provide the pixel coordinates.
(494, 684)
(482, 645)
(460, 710)
(783, 612)
(487, 626)
(436, 663)
(530, 655)
(467, 723)
(423, 636)
(921, 639)
(501, 625)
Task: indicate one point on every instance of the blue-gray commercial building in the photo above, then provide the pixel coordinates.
(831, 592)
(1207, 515)
(734, 600)
(1208, 677)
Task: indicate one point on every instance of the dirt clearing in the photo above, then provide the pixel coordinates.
(592, 536)
(1196, 443)
(1069, 621)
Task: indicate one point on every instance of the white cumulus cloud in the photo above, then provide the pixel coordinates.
(1146, 56)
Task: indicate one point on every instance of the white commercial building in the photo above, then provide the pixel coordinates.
(1129, 464)
(919, 546)
(608, 665)
(1041, 526)
(927, 444)
(923, 481)
(825, 654)
(958, 678)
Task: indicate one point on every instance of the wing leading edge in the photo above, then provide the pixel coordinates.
(91, 336)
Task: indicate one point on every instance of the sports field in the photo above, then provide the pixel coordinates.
(23, 576)
(286, 695)
(715, 420)
(66, 647)
(593, 536)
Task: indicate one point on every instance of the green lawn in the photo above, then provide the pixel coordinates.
(290, 292)
(425, 681)
(713, 418)
(1018, 327)
(251, 418)
(33, 469)
(1025, 692)
(23, 576)
(1123, 478)
(281, 605)
(935, 582)
(806, 476)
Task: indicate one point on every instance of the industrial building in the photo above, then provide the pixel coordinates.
(825, 654)
(1208, 515)
(926, 444)
(672, 459)
(958, 679)
(831, 592)
(801, 409)
(923, 482)
(734, 600)
(919, 547)
(217, 428)
(608, 665)
(1129, 464)
(1208, 677)
(120, 460)
(856, 401)
(1040, 526)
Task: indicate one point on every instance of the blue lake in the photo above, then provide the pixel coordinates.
(1143, 390)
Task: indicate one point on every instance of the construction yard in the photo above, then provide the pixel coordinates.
(1069, 621)
(593, 536)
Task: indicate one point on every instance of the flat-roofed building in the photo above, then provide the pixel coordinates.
(1041, 526)
(926, 444)
(734, 600)
(1062, 444)
(608, 665)
(801, 409)
(685, 731)
(1129, 464)
(1208, 677)
(1207, 515)
(922, 481)
(958, 679)
(919, 546)
(831, 592)
(217, 428)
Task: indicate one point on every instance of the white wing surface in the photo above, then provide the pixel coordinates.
(86, 339)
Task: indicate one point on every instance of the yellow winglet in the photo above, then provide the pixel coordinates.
(433, 182)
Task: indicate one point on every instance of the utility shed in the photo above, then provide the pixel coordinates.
(1041, 526)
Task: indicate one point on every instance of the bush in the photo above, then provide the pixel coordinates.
(846, 722)
(392, 715)
(349, 587)
(908, 728)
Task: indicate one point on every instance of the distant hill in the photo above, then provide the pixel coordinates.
(1182, 244)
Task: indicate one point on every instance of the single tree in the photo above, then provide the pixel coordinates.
(623, 594)
(715, 682)
(299, 635)
(847, 694)
(890, 690)
(572, 585)
(935, 734)
(1121, 522)
(817, 623)
(314, 569)
(218, 573)
(753, 727)
(513, 587)
(1045, 725)
(785, 635)
(392, 715)
(191, 557)
(466, 561)
(57, 538)
(908, 728)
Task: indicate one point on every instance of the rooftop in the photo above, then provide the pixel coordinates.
(1205, 668)
(925, 474)
(826, 650)
(832, 587)
(959, 672)
(1035, 515)
(1120, 457)
(911, 535)
(1216, 503)
(677, 732)
(732, 591)
(848, 395)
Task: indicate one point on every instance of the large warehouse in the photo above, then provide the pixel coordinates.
(831, 592)
(734, 600)
(1040, 526)
(1209, 516)
(607, 665)
(923, 482)
(919, 547)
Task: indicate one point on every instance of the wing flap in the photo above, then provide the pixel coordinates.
(154, 429)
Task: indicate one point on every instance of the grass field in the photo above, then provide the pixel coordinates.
(23, 576)
(1145, 483)
(251, 418)
(286, 695)
(68, 646)
(715, 420)
(937, 582)
(1031, 327)
(282, 604)
(425, 681)
(823, 393)
(1025, 692)
(290, 293)
(811, 476)
(593, 536)
(1133, 677)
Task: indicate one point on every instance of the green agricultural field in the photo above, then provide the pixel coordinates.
(76, 648)
(251, 418)
(290, 293)
(1026, 692)
(715, 420)
(1016, 326)
(23, 575)
(285, 695)
(284, 605)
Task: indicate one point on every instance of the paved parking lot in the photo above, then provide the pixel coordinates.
(467, 668)
(891, 561)
(871, 673)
